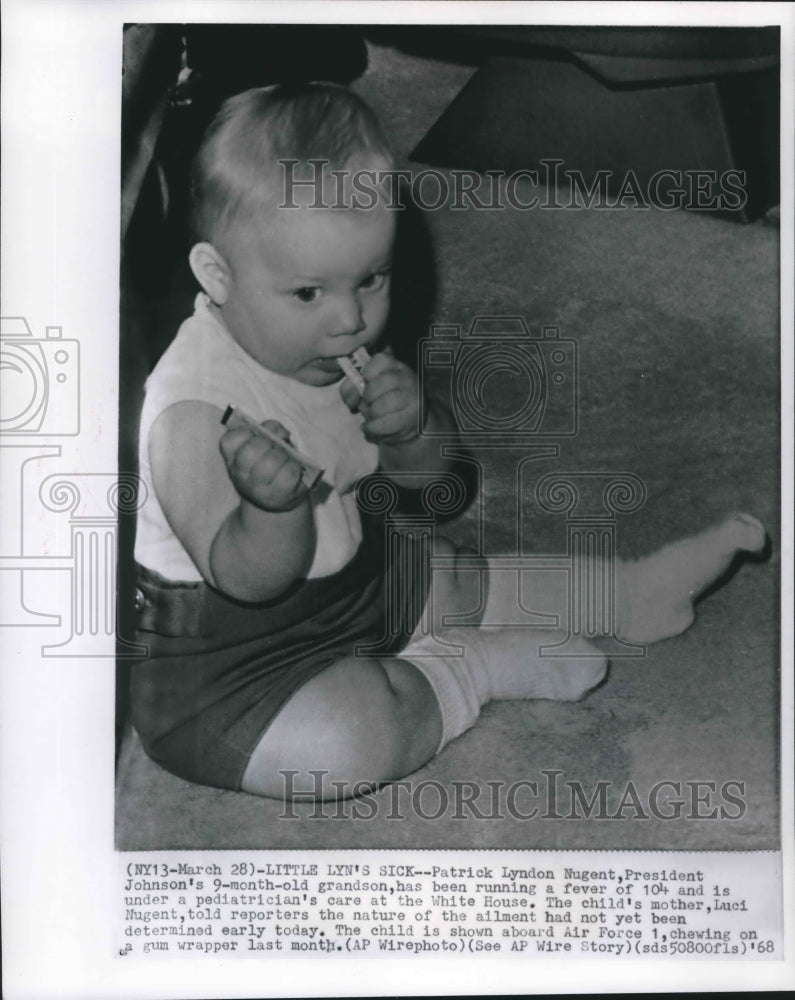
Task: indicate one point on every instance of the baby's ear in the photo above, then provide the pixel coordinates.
(211, 271)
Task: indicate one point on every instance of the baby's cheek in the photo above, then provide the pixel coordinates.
(376, 312)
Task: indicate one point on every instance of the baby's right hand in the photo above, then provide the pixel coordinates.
(261, 471)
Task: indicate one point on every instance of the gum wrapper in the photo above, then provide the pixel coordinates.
(234, 418)
(353, 365)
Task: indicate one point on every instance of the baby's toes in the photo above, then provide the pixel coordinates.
(747, 532)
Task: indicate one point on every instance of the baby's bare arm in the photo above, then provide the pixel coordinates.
(422, 453)
(244, 550)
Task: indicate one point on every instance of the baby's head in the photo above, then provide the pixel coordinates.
(296, 286)
(239, 175)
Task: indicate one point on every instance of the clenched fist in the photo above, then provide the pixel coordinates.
(390, 403)
(261, 471)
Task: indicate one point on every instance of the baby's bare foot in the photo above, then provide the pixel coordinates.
(655, 595)
(746, 532)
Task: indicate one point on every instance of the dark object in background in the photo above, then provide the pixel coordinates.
(150, 65)
(705, 47)
(618, 100)
(226, 59)
(234, 57)
(631, 54)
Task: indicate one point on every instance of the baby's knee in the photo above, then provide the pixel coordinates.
(397, 726)
(359, 723)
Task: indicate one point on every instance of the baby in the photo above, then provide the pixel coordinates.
(255, 588)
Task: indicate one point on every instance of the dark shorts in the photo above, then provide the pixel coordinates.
(219, 670)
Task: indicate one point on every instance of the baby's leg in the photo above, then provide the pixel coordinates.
(368, 721)
(492, 663)
(363, 722)
(655, 595)
(359, 721)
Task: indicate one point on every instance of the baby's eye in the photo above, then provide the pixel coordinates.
(308, 294)
(375, 281)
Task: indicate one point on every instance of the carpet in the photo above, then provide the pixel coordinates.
(676, 320)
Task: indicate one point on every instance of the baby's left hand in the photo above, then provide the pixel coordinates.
(390, 403)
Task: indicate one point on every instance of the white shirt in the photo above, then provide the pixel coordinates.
(204, 363)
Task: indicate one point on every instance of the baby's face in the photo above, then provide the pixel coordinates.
(309, 286)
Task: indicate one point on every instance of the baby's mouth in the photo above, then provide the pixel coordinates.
(328, 365)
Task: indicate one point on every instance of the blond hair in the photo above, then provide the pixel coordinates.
(236, 171)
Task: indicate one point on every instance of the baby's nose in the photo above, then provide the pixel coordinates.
(348, 319)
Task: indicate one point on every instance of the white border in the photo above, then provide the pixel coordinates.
(60, 121)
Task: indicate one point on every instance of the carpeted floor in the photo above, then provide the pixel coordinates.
(676, 317)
